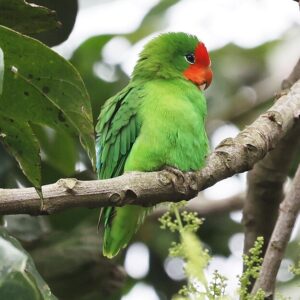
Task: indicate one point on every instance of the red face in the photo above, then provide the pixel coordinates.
(199, 71)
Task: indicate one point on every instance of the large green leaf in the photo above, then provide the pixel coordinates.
(27, 18)
(1, 70)
(19, 279)
(40, 87)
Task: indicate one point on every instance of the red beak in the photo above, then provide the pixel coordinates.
(201, 76)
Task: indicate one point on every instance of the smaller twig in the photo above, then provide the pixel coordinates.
(293, 77)
(289, 210)
(205, 207)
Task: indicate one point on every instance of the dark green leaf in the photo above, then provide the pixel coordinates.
(40, 87)
(1, 70)
(20, 141)
(27, 18)
(66, 11)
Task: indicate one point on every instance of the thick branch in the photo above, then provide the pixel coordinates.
(231, 156)
(289, 210)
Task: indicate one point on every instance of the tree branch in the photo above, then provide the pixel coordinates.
(266, 180)
(233, 155)
(205, 207)
(265, 190)
(289, 210)
(293, 77)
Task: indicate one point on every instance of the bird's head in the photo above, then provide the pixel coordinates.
(175, 55)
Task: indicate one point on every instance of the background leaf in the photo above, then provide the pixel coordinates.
(66, 11)
(26, 17)
(58, 149)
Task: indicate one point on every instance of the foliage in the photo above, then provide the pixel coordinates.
(27, 18)
(196, 259)
(1, 70)
(295, 269)
(252, 263)
(66, 12)
(189, 248)
(65, 247)
(43, 99)
(36, 94)
(217, 286)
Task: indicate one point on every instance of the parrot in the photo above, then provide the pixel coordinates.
(156, 121)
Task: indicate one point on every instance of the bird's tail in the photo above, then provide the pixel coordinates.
(120, 225)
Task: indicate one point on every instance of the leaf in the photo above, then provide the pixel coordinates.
(40, 87)
(26, 17)
(19, 278)
(1, 70)
(58, 149)
(18, 138)
(66, 11)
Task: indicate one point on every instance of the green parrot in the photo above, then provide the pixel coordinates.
(156, 121)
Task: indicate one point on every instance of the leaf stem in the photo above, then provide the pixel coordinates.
(178, 218)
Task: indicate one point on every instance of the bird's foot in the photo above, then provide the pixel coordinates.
(178, 173)
(181, 181)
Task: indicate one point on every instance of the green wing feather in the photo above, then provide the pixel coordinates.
(117, 130)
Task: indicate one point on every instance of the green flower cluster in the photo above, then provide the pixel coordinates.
(196, 259)
(252, 263)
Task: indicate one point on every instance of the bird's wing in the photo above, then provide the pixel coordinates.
(117, 129)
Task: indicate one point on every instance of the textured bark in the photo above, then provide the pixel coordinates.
(289, 210)
(294, 76)
(232, 156)
(265, 190)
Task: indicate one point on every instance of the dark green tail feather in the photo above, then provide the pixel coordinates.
(120, 228)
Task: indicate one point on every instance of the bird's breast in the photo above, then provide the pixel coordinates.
(172, 132)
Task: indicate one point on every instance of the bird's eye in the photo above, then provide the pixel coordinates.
(190, 58)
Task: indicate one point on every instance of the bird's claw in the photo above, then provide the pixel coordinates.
(179, 174)
(178, 179)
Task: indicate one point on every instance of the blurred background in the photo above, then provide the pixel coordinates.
(253, 45)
